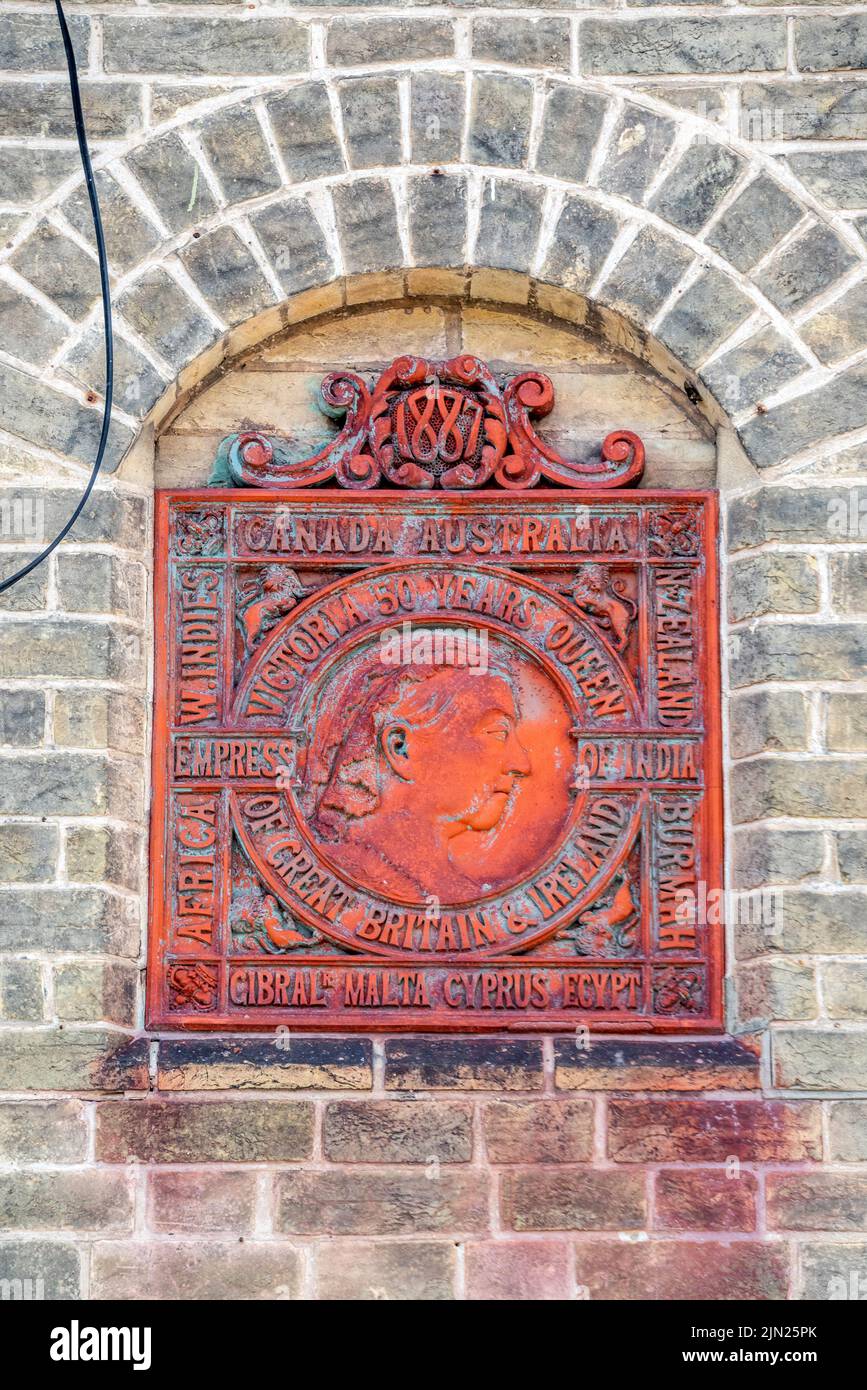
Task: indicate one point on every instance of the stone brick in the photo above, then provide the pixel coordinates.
(158, 309)
(50, 420)
(697, 184)
(138, 1270)
(353, 43)
(840, 329)
(367, 226)
(819, 1059)
(645, 275)
(386, 1202)
(41, 1269)
(283, 1063)
(21, 994)
(848, 1131)
(88, 990)
(712, 1131)
(106, 516)
(517, 1270)
(789, 651)
(651, 45)
(438, 220)
(852, 855)
(639, 142)
(84, 920)
(87, 718)
(30, 594)
(399, 1270)
(805, 266)
(836, 178)
(528, 43)
(43, 1131)
(509, 224)
(238, 153)
(295, 244)
(827, 42)
(137, 384)
(761, 855)
(113, 110)
(537, 1199)
(704, 316)
(833, 1271)
(754, 222)
(665, 1270)
(849, 582)
(463, 1064)
(28, 853)
(500, 111)
(437, 116)
(70, 647)
(584, 235)
(805, 921)
(804, 110)
(228, 275)
(371, 121)
(205, 48)
(202, 1202)
(28, 174)
(571, 126)
(173, 180)
(33, 42)
(847, 722)
(655, 1064)
(539, 1131)
(773, 583)
(22, 717)
(64, 784)
(304, 129)
(705, 101)
(184, 1131)
(795, 514)
(58, 267)
(705, 1199)
(129, 235)
(758, 367)
(844, 989)
(773, 989)
(29, 332)
(72, 1060)
(54, 784)
(94, 1200)
(98, 583)
(397, 1131)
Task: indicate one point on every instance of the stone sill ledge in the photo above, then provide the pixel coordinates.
(425, 1063)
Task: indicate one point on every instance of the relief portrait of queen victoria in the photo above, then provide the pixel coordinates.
(417, 776)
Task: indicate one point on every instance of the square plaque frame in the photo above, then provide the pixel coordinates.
(257, 921)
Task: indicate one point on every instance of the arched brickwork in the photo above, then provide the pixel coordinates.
(234, 203)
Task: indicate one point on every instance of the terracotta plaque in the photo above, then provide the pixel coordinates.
(435, 759)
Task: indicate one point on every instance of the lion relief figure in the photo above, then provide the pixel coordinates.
(604, 601)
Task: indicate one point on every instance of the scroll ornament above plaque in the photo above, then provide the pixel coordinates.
(428, 424)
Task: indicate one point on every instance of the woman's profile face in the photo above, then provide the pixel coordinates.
(462, 766)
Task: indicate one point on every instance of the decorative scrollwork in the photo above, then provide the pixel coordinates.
(429, 424)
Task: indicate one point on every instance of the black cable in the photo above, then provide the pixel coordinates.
(106, 304)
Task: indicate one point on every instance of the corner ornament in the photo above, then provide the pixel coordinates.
(428, 424)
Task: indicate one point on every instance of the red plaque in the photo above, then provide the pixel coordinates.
(439, 755)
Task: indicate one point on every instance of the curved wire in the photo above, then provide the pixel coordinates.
(106, 305)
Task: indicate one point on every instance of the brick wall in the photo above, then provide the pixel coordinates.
(665, 210)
